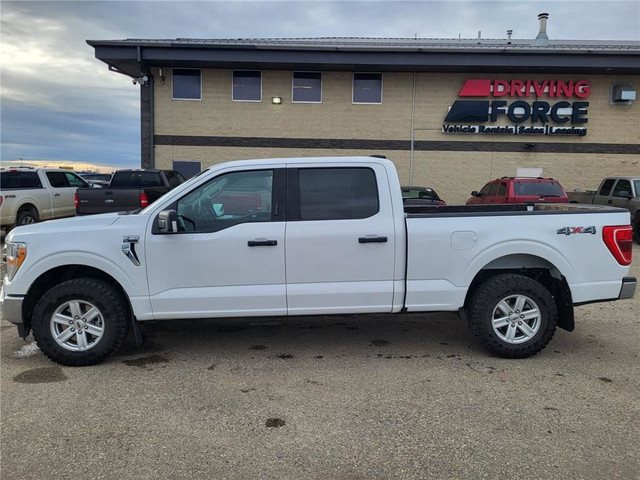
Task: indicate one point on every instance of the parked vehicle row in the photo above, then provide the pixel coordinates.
(128, 189)
(311, 236)
(623, 192)
(29, 195)
(519, 190)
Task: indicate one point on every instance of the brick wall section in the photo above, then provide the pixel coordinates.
(452, 173)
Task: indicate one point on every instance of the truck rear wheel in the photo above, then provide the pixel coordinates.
(26, 217)
(80, 322)
(513, 316)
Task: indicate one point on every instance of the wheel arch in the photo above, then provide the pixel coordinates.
(535, 268)
(57, 275)
(26, 206)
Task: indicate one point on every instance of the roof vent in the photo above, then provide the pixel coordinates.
(542, 38)
(509, 33)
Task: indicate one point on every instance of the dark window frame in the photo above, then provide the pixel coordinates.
(173, 84)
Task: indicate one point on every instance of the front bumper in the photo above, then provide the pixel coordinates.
(11, 307)
(628, 288)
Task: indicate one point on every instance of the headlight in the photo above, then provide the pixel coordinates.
(13, 255)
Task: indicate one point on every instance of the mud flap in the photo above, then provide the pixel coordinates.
(138, 334)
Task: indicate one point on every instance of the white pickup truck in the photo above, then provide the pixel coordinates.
(29, 195)
(309, 236)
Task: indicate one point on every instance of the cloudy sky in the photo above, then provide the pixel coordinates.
(61, 105)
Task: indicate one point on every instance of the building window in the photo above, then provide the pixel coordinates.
(247, 86)
(187, 84)
(367, 88)
(307, 87)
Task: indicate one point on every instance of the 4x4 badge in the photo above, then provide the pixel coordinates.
(574, 230)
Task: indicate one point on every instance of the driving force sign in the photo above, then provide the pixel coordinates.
(549, 107)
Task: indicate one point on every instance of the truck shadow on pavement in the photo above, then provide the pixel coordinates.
(374, 335)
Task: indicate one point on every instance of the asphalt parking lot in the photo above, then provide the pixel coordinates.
(349, 397)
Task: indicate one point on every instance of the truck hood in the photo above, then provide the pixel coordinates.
(63, 225)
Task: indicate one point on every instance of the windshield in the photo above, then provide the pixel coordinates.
(551, 189)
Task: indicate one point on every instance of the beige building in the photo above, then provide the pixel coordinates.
(451, 114)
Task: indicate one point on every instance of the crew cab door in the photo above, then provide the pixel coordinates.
(64, 186)
(340, 240)
(227, 257)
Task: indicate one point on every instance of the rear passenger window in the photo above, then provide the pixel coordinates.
(10, 179)
(502, 190)
(337, 193)
(606, 186)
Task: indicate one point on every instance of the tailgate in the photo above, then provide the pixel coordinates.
(104, 200)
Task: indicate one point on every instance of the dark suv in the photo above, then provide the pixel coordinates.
(520, 190)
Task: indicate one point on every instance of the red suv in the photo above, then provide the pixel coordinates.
(520, 190)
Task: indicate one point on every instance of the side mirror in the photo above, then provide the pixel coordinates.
(167, 221)
(475, 193)
(625, 194)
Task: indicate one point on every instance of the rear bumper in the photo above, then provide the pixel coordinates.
(628, 288)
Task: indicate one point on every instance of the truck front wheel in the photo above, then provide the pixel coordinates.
(80, 322)
(513, 316)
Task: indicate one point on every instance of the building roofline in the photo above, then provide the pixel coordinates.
(130, 56)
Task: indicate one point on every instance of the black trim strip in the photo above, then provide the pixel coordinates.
(382, 145)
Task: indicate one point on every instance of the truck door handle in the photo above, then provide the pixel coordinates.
(375, 239)
(262, 243)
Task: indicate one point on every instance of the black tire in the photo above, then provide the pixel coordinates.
(27, 217)
(85, 305)
(636, 227)
(512, 315)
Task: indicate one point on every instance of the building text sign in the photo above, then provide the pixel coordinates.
(549, 107)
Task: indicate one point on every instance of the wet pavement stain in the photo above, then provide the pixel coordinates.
(143, 362)
(605, 379)
(285, 356)
(275, 423)
(319, 356)
(247, 390)
(380, 343)
(257, 347)
(41, 375)
(212, 366)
